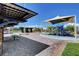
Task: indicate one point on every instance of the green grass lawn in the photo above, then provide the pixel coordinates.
(14, 31)
(72, 49)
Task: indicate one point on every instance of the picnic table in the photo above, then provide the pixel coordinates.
(14, 36)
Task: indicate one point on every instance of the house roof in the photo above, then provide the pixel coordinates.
(11, 13)
(59, 19)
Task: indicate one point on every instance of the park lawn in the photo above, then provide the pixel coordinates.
(14, 31)
(72, 49)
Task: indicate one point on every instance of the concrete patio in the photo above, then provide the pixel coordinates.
(32, 44)
(22, 47)
(55, 48)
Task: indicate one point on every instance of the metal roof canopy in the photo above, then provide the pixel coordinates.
(61, 19)
(11, 13)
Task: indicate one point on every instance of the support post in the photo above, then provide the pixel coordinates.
(1, 40)
(30, 29)
(75, 29)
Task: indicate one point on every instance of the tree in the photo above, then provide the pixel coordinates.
(69, 28)
(50, 28)
(22, 29)
(38, 29)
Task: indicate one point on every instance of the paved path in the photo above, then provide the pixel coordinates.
(55, 48)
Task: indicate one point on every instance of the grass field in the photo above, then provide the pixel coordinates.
(15, 31)
(72, 49)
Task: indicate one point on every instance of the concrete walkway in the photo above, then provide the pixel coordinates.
(22, 47)
(55, 48)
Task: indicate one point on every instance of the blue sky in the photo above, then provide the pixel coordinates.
(49, 10)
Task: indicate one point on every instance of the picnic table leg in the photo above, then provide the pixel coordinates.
(14, 37)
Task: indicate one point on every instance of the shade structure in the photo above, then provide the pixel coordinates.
(11, 13)
(61, 19)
